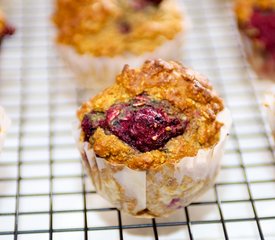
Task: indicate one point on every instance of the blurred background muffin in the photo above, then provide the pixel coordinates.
(97, 37)
(256, 19)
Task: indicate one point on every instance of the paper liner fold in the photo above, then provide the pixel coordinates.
(100, 72)
(264, 67)
(270, 108)
(156, 192)
(4, 125)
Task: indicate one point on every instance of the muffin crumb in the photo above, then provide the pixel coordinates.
(182, 88)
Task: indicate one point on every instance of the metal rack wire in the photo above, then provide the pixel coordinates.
(44, 192)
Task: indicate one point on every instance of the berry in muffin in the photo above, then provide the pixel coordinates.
(152, 142)
(143, 123)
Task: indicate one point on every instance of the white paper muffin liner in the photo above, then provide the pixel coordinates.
(100, 72)
(97, 73)
(259, 63)
(4, 125)
(270, 108)
(155, 192)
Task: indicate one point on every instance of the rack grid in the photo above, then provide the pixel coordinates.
(45, 193)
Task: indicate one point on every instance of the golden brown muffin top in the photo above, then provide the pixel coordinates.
(113, 27)
(244, 8)
(188, 91)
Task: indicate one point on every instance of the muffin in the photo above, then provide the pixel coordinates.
(4, 125)
(5, 28)
(270, 108)
(256, 19)
(152, 142)
(97, 37)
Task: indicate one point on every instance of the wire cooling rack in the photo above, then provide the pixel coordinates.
(44, 192)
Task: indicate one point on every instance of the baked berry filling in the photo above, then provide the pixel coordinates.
(141, 4)
(262, 24)
(124, 27)
(91, 122)
(7, 31)
(143, 123)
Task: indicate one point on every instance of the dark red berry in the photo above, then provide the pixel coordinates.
(124, 27)
(143, 123)
(9, 30)
(91, 122)
(263, 21)
(141, 4)
(154, 2)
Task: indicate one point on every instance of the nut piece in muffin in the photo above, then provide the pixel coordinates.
(5, 28)
(152, 142)
(256, 20)
(4, 125)
(96, 37)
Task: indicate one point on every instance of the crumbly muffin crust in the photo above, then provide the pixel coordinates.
(182, 87)
(113, 27)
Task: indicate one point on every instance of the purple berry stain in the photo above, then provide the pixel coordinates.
(175, 203)
(141, 4)
(7, 31)
(124, 27)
